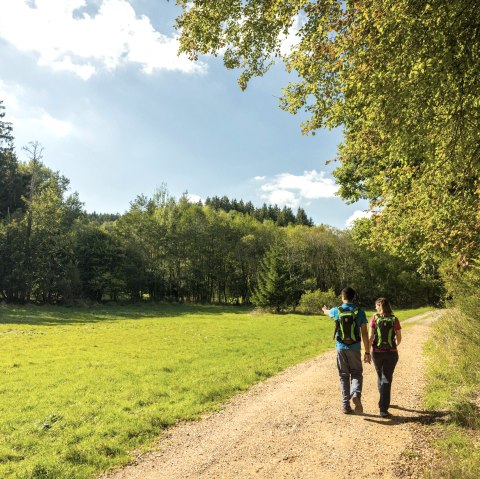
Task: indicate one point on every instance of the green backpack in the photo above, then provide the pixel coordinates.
(384, 335)
(347, 330)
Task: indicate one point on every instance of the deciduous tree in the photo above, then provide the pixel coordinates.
(399, 76)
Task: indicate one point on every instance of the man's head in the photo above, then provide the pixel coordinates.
(348, 294)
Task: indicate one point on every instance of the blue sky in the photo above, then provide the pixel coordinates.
(99, 85)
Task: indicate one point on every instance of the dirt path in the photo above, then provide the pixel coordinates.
(290, 426)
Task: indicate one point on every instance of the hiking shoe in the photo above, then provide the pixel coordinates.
(384, 414)
(358, 404)
(347, 410)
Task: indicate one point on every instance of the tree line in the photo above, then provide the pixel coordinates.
(281, 217)
(163, 249)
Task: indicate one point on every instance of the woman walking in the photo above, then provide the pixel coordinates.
(385, 336)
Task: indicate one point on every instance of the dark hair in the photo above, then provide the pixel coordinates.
(385, 304)
(349, 293)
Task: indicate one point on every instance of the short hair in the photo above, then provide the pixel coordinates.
(349, 293)
(385, 305)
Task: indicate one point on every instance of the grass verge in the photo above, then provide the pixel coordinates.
(453, 379)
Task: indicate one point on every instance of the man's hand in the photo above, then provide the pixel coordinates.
(325, 310)
(367, 358)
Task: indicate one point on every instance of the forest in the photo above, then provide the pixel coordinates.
(163, 249)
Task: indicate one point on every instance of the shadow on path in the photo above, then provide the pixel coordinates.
(417, 416)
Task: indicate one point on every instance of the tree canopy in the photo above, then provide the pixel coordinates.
(399, 76)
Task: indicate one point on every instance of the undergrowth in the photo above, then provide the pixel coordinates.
(453, 382)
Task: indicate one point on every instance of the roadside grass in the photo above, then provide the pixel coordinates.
(453, 386)
(82, 389)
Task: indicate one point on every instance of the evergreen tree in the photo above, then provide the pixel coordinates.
(275, 288)
(101, 218)
(301, 218)
(12, 182)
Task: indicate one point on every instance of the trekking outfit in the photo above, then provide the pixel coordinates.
(384, 355)
(348, 320)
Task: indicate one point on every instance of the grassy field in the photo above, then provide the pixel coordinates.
(81, 389)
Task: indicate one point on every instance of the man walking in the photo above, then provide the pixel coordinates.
(350, 330)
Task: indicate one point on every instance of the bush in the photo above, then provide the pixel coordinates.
(312, 302)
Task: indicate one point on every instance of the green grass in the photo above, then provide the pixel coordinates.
(458, 454)
(81, 389)
(453, 386)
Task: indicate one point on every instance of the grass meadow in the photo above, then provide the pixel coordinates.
(82, 389)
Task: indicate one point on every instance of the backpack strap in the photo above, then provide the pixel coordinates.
(348, 310)
(337, 322)
(337, 326)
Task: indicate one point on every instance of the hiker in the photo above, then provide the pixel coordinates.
(350, 329)
(385, 336)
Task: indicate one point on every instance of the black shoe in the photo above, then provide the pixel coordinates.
(358, 405)
(347, 410)
(385, 414)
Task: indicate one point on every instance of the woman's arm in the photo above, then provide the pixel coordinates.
(366, 343)
(372, 330)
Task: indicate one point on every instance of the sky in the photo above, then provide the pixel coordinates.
(99, 84)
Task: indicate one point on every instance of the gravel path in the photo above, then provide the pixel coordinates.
(290, 426)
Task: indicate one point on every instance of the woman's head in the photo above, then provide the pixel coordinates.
(383, 307)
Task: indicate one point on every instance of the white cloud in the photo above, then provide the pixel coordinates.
(359, 214)
(38, 122)
(259, 178)
(290, 190)
(292, 38)
(56, 127)
(83, 71)
(10, 101)
(194, 198)
(82, 43)
(282, 198)
(42, 125)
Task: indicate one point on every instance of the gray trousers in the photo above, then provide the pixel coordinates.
(350, 370)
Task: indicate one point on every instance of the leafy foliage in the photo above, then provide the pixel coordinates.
(35, 234)
(400, 77)
(313, 301)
